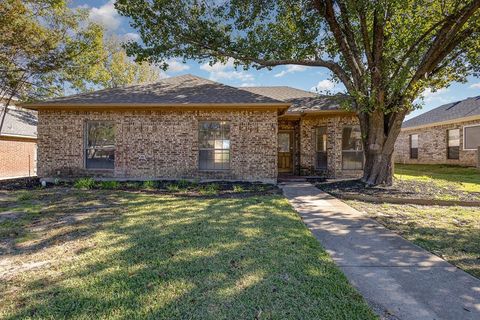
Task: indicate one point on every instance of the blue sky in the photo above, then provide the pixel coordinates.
(316, 79)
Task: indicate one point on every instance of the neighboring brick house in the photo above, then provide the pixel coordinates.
(449, 134)
(188, 127)
(18, 142)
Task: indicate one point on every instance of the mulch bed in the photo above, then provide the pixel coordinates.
(29, 183)
(401, 189)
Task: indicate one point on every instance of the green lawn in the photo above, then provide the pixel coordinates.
(452, 233)
(127, 255)
(465, 179)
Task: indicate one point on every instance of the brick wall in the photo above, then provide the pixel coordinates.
(17, 157)
(335, 124)
(159, 144)
(432, 146)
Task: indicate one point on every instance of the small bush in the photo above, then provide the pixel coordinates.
(149, 185)
(25, 196)
(84, 183)
(132, 185)
(173, 187)
(183, 184)
(109, 185)
(209, 189)
(238, 188)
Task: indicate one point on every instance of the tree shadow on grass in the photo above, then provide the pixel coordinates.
(168, 258)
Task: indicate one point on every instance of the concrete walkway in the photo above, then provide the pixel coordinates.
(397, 278)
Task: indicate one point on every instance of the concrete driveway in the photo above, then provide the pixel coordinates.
(397, 278)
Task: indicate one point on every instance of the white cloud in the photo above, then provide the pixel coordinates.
(106, 15)
(226, 71)
(290, 69)
(176, 65)
(130, 36)
(475, 86)
(323, 85)
(429, 96)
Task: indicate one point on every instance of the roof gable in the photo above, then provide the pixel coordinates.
(447, 112)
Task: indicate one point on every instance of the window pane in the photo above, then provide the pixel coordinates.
(100, 149)
(414, 153)
(414, 141)
(322, 160)
(472, 137)
(454, 138)
(321, 139)
(284, 142)
(453, 153)
(352, 160)
(352, 138)
(100, 158)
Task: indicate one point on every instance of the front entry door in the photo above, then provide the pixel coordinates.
(285, 152)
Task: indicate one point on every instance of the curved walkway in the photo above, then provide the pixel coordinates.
(399, 279)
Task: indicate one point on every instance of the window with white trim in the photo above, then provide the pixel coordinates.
(352, 148)
(471, 136)
(321, 147)
(100, 145)
(414, 146)
(214, 145)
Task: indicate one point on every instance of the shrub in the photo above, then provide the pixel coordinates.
(109, 185)
(173, 187)
(238, 188)
(209, 189)
(84, 183)
(183, 184)
(25, 196)
(149, 184)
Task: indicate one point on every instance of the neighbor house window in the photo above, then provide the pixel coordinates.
(414, 146)
(352, 149)
(471, 136)
(321, 147)
(100, 145)
(453, 144)
(214, 145)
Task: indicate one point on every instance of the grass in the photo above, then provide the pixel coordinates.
(452, 233)
(120, 255)
(464, 179)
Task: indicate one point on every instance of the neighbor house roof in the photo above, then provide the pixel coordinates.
(302, 101)
(185, 90)
(450, 112)
(19, 122)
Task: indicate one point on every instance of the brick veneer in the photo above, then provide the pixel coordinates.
(17, 157)
(335, 124)
(432, 145)
(152, 144)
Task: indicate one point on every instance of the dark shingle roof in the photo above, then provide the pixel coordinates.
(19, 122)
(181, 90)
(302, 101)
(450, 111)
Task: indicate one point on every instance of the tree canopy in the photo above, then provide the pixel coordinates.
(385, 52)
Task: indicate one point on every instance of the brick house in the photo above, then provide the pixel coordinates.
(449, 134)
(188, 127)
(18, 142)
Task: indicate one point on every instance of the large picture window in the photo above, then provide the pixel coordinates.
(414, 146)
(453, 144)
(321, 147)
(100, 145)
(471, 136)
(352, 149)
(214, 145)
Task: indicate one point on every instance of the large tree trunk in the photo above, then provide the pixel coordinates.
(379, 132)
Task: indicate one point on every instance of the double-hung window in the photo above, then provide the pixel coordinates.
(453, 144)
(214, 145)
(414, 146)
(352, 148)
(321, 147)
(100, 145)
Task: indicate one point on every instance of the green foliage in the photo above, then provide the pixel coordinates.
(149, 185)
(109, 185)
(84, 183)
(238, 188)
(25, 196)
(173, 187)
(209, 189)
